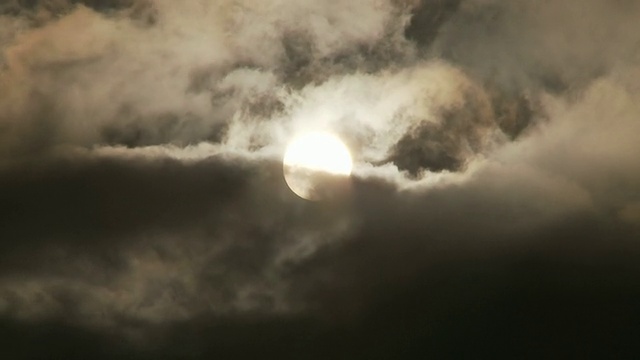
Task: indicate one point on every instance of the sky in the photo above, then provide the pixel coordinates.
(493, 210)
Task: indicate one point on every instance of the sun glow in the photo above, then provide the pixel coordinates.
(319, 151)
(317, 166)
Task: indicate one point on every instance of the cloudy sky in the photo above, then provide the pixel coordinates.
(493, 211)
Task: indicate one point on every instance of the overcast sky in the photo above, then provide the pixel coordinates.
(494, 206)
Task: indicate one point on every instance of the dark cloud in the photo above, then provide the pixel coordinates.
(60, 6)
(405, 284)
(427, 18)
(448, 143)
(494, 209)
(76, 200)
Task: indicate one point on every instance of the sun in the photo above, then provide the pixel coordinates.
(319, 151)
(314, 163)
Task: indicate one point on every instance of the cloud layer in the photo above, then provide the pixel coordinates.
(496, 188)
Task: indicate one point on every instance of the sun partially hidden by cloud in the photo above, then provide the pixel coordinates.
(319, 151)
(312, 160)
(481, 161)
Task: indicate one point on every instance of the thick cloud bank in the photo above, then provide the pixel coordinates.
(494, 208)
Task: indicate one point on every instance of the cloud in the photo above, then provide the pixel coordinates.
(495, 191)
(552, 44)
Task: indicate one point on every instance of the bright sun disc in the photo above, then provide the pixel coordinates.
(309, 156)
(319, 152)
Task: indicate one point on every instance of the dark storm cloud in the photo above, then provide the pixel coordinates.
(105, 241)
(491, 257)
(494, 208)
(84, 199)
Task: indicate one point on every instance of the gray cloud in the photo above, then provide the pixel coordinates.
(144, 209)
